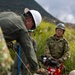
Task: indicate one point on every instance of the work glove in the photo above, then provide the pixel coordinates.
(42, 71)
(60, 60)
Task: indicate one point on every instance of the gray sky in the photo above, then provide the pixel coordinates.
(64, 10)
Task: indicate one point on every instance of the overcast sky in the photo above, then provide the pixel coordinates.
(64, 10)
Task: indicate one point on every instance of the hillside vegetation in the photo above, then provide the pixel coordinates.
(47, 29)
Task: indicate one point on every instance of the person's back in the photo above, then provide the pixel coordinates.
(5, 58)
(11, 23)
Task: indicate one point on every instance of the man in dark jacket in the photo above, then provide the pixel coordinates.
(15, 27)
(25, 63)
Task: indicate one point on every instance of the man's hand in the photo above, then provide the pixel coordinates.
(42, 71)
(60, 60)
(28, 66)
(10, 44)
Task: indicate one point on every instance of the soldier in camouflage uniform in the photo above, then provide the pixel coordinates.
(57, 46)
(15, 27)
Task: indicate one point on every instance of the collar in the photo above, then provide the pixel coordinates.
(57, 38)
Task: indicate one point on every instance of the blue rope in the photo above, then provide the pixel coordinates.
(19, 62)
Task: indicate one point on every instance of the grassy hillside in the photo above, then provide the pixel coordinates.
(44, 31)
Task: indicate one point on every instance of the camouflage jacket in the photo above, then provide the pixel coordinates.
(57, 48)
(5, 57)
